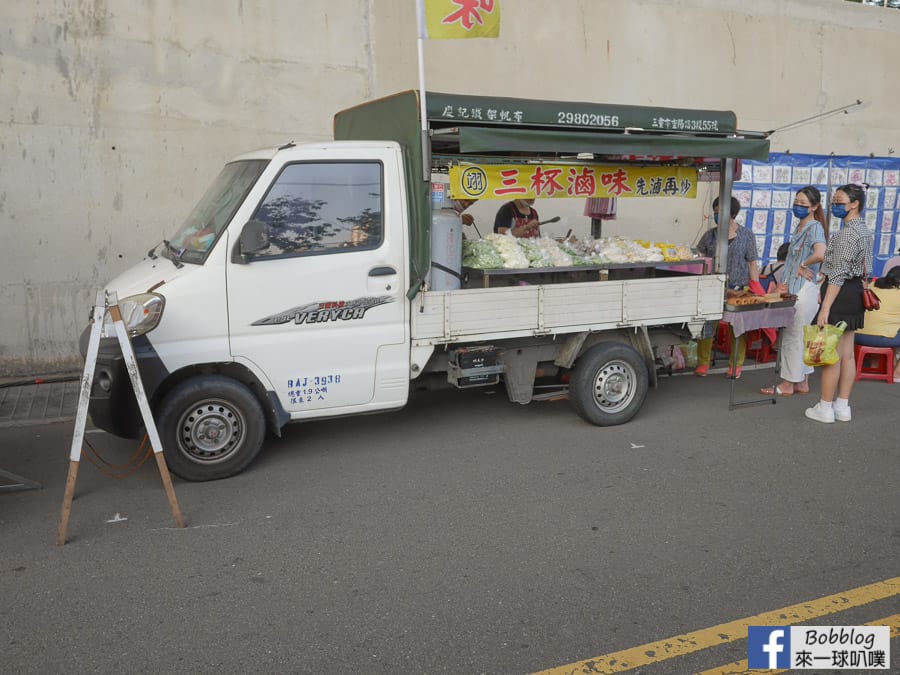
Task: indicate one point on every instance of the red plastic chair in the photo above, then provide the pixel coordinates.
(722, 341)
(880, 363)
(759, 348)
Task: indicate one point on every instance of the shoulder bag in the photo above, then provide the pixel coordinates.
(871, 302)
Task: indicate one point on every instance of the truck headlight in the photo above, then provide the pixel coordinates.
(140, 313)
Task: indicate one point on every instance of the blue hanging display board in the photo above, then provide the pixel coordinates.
(766, 194)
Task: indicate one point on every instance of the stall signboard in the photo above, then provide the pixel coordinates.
(495, 110)
(525, 181)
(766, 194)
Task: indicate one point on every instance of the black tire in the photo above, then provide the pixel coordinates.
(211, 427)
(609, 384)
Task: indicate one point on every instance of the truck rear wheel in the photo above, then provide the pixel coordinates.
(609, 384)
(211, 427)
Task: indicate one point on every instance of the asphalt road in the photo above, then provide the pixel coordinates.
(464, 534)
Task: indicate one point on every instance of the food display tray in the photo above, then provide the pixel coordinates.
(746, 308)
(786, 302)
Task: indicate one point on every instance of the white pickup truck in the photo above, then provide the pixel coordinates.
(298, 289)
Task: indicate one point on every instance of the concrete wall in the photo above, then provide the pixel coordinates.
(114, 116)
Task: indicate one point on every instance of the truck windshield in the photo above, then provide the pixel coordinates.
(214, 211)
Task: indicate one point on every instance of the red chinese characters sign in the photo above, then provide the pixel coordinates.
(544, 181)
(454, 19)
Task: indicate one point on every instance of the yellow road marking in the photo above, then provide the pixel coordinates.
(741, 668)
(687, 643)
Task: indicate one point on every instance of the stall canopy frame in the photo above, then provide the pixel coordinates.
(465, 125)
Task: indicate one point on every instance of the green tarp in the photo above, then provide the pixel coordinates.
(489, 140)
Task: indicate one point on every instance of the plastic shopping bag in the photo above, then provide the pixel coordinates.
(677, 358)
(820, 344)
(690, 354)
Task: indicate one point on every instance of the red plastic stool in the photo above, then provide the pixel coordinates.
(883, 367)
(722, 339)
(759, 348)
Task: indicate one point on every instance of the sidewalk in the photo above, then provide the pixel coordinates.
(31, 404)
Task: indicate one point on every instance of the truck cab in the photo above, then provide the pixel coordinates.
(288, 280)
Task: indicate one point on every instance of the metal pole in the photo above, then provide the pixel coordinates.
(726, 180)
(423, 106)
(826, 208)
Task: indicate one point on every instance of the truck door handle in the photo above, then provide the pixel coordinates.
(382, 271)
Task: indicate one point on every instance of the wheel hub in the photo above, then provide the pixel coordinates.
(614, 386)
(210, 431)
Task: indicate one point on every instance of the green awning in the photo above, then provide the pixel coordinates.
(453, 109)
(476, 140)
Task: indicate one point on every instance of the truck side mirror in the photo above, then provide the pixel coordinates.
(253, 239)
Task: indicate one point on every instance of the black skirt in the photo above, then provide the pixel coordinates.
(848, 306)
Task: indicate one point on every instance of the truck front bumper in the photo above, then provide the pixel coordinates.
(113, 406)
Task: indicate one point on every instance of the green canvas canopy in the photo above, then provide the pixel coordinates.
(466, 127)
(482, 140)
(501, 111)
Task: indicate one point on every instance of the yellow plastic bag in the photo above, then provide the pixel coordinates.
(690, 354)
(820, 344)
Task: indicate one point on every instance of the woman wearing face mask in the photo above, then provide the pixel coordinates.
(801, 268)
(848, 258)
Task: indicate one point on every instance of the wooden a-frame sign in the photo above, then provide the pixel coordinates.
(110, 303)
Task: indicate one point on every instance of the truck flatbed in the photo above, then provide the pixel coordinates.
(472, 315)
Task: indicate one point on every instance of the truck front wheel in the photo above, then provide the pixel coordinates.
(609, 384)
(211, 427)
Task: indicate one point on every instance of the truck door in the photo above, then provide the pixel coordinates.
(322, 311)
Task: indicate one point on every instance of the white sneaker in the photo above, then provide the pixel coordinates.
(842, 414)
(820, 413)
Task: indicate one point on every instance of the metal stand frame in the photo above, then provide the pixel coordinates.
(110, 303)
(773, 399)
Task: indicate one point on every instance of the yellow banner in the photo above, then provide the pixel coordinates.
(517, 181)
(454, 19)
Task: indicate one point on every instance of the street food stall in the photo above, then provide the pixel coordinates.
(492, 148)
(321, 256)
(503, 149)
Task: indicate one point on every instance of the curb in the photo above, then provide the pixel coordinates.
(33, 404)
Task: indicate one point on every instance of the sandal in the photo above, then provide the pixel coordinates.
(775, 391)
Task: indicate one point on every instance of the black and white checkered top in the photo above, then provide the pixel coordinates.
(849, 253)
